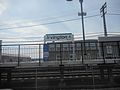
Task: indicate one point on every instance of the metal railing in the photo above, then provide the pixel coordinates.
(23, 53)
(98, 52)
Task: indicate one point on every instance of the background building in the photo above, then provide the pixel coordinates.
(73, 50)
(109, 47)
(91, 49)
(104, 49)
(14, 58)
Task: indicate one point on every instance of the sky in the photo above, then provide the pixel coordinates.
(32, 19)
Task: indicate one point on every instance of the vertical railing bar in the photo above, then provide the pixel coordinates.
(103, 52)
(39, 55)
(82, 52)
(18, 55)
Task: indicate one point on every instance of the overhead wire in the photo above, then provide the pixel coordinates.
(48, 23)
(21, 41)
(53, 22)
(41, 37)
(23, 37)
(76, 35)
(113, 14)
(40, 19)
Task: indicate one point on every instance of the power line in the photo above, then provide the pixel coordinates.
(89, 33)
(113, 14)
(49, 23)
(21, 41)
(36, 37)
(23, 37)
(76, 35)
(41, 19)
(41, 37)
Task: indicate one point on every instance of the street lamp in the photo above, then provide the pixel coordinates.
(82, 18)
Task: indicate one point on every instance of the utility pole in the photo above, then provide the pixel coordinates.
(82, 14)
(103, 11)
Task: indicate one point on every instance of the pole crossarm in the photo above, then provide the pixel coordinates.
(103, 9)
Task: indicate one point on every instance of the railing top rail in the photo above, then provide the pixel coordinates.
(19, 44)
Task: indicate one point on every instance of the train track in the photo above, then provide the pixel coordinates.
(75, 76)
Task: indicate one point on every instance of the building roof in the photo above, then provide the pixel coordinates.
(109, 38)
